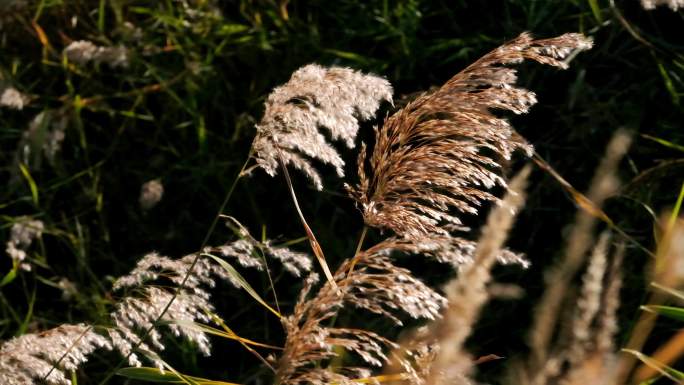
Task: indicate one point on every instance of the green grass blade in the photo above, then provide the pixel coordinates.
(664, 142)
(596, 10)
(31, 182)
(243, 283)
(668, 311)
(217, 332)
(155, 375)
(9, 277)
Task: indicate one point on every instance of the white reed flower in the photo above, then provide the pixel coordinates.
(24, 231)
(12, 98)
(83, 52)
(652, 4)
(314, 97)
(151, 193)
(27, 359)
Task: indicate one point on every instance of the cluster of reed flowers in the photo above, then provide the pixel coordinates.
(433, 159)
(652, 4)
(12, 98)
(83, 52)
(24, 231)
(147, 303)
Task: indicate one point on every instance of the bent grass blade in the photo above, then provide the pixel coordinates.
(242, 282)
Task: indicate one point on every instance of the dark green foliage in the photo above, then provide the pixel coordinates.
(183, 111)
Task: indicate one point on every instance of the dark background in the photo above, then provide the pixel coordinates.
(215, 67)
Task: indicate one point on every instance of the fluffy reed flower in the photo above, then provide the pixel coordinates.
(27, 359)
(193, 303)
(584, 351)
(139, 312)
(455, 251)
(24, 231)
(83, 52)
(652, 4)
(44, 134)
(603, 185)
(442, 151)
(12, 98)
(151, 192)
(315, 97)
(368, 281)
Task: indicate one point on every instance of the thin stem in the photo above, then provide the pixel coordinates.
(187, 275)
(359, 245)
(315, 246)
(268, 271)
(71, 347)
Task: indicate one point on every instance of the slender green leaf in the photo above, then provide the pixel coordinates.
(242, 282)
(32, 183)
(155, 375)
(9, 277)
(669, 84)
(347, 55)
(664, 142)
(596, 10)
(668, 311)
(230, 29)
(217, 332)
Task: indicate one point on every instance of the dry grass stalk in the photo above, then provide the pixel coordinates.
(668, 271)
(603, 185)
(584, 350)
(314, 97)
(442, 151)
(589, 354)
(468, 293)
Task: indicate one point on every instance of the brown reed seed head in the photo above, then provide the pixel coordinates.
(316, 96)
(443, 150)
(376, 285)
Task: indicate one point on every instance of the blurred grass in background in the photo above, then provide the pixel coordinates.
(181, 109)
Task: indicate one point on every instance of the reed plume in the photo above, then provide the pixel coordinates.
(149, 287)
(443, 150)
(83, 52)
(314, 97)
(584, 349)
(652, 4)
(374, 284)
(193, 302)
(14, 99)
(29, 358)
(603, 185)
(24, 231)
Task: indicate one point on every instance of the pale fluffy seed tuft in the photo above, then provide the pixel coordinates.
(314, 97)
